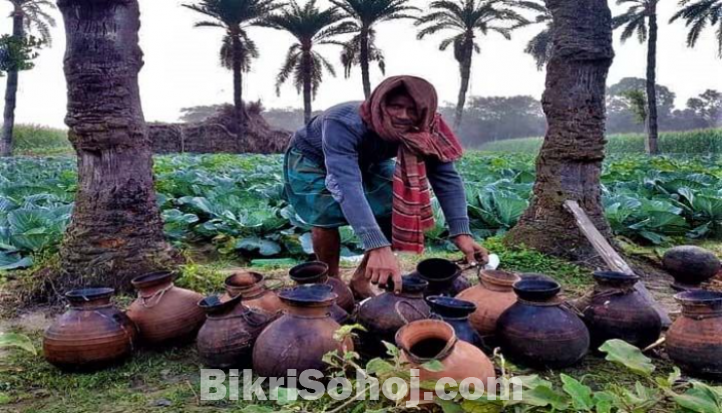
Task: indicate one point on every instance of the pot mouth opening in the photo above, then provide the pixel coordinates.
(425, 340)
(243, 279)
(534, 288)
(309, 294)
(699, 297)
(451, 303)
(308, 271)
(153, 278)
(614, 276)
(213, 303)
(88, 294)
(437, 269)
(409, 285)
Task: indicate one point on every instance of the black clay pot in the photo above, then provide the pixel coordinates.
(617, 310)
(456, 312)
(539, 330)
(690, 266)
(316, 272)
(444, 277)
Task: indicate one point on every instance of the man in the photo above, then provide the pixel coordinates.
(339, 170)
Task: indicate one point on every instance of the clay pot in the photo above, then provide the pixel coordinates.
(385, 314)
(226, 338)
(251, 286)
(539, 330)
(617, 310)
(165, 314)
(425, 340)
(91, 335)
(444, 277)
(299, 338)
(690, 266)
(316, 272)
(694, 341)
(456, 313)
(492, 296)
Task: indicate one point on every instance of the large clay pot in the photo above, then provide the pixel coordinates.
(444, 277)
(299, 338)
(425, 340)
(165, 314)
(694, 341)
(91, 335)
(316, 272)
(690, 266)
(617, 310)
(492, 296)
(226, 338)
(385, 314)
(251, 286)
(456, 313)
(539, 330)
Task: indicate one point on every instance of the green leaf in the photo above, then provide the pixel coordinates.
(379, 366)
(434, 366)
(391, 349)
(701, 398)
(284, 395)
(14, 261)
(20, 341)
(255, 244)
(254, 408)
(481, 406)
(627, 355)
(4, 398)
(541, 396)
(581, 394)
(449, 406)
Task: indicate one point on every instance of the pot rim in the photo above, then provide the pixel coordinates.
(257, 278)
(614, 276)
(451, 304)
(80, 295)
(293, 273)
(499, 277)
(699, 297)
(438, 261)
(153, 278)
(435, 326)
(409, 285)
(218, 306)
(536, 289)
(309, 295)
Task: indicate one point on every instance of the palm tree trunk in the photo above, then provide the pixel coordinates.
(116, 231)
(238, 85)
(652, 128)
(570, 160)
(364, 57)
(307, 63)
(465, 68)
(11, 91)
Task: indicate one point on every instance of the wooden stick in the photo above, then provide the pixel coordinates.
(610, 256)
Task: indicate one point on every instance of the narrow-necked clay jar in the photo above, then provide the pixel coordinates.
(690, 266)
(251, 286)
(492, 296)
(455, 312)
(91, 334)
(301, 336)
(165, 314)
(316, 272)
(694, 341)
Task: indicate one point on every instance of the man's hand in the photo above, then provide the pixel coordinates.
(474, 252)
(382, 266)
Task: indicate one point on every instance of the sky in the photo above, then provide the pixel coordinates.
(182, 69)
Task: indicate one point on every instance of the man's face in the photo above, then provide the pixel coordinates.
(401, 109)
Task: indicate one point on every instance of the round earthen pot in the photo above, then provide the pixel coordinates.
(617, 310)
(227, 337)
(383, 315)
(301, 336)
(165, 314)
(444, 277)
(492, 296)
(91, 335)
(690, 266)
(456, 313)
(251, 286)
(424, 340)
(694, 341)
(316, 272)
(539, 330)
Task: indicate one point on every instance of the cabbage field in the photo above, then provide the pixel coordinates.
(234, 202)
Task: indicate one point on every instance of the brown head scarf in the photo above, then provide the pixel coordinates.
(432, 137)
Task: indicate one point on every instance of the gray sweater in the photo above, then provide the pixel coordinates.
(339, 139)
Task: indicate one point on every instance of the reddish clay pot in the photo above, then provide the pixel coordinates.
(492, 296)
(164, 313)
(251, 286)
(299, 338)
(618, 310)
(91, 335)
(444, 277)
(316, 272)
(425, 340)
(690, 266)
(694, 341)
(226, 338)
(539, 330)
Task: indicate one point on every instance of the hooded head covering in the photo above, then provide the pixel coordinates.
(432, 137)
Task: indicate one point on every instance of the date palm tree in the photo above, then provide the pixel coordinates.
(237, 49)
(464, 19)
(540, 46)
(364, 16)
(697, 15)
(640, 19)
(310, 26)
(29, 16)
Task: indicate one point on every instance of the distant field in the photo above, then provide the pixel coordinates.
(40, 140)
(698, 142)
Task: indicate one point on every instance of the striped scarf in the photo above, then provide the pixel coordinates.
(432, 138)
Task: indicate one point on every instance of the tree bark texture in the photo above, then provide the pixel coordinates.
(116, 231)
(364, 57)
(570, 160)
(238, 84)
(652, 145)
(307, 63)
(11, 91)
(465, 72)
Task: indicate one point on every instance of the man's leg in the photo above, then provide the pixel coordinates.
(327, 247)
